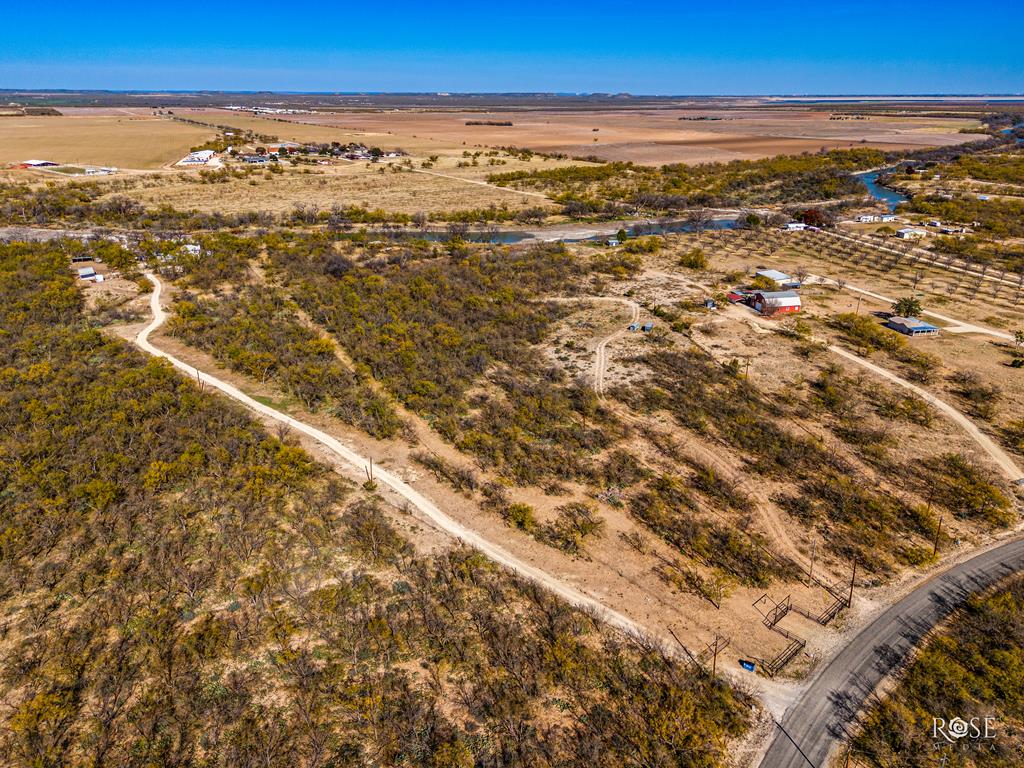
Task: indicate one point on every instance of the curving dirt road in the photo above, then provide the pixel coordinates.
(359, 463)
(827, 707)
(997, 454)
(480, 183)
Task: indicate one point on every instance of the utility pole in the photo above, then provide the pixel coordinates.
(849, 600)
(814, 550)
(938, 532)
(859, 297)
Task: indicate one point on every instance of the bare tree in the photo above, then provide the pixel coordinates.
(699, 219)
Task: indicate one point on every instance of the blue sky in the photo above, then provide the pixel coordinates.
(680, 47)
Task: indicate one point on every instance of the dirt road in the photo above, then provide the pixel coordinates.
(480, 183)
(601, 353)
(955, 326)
(997, 454)
(358, 464)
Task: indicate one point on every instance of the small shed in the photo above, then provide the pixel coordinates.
(911, 326)
(86, 273)
(647, 327)
(795, 226)
(634, 326)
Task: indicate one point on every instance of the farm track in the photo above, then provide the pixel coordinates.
(601, 352)
(357, 464)
(481, 183)
(1002, 459)
(956, 326)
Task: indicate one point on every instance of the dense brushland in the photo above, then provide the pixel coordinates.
(995, 223)
(1004, 167)
(451, 332)
(432, 326)
(876, 526)
(783, 179)
(181, 588)
(110, 204)
(973, 669)
(255, 332)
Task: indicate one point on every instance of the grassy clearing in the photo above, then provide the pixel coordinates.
(122, 142)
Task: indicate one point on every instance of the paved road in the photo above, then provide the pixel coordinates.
(818, 721)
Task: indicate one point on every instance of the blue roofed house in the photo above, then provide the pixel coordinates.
(911, 326)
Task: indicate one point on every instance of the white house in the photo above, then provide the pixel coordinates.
(202, 157)
(909, 233)
(867, 218)
(888, 217)
(795, 226)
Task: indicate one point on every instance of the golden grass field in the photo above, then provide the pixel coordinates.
(650, 136)
(134, 138)
(125, 141)
(354, 184)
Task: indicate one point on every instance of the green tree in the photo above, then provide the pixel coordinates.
(908, 306)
